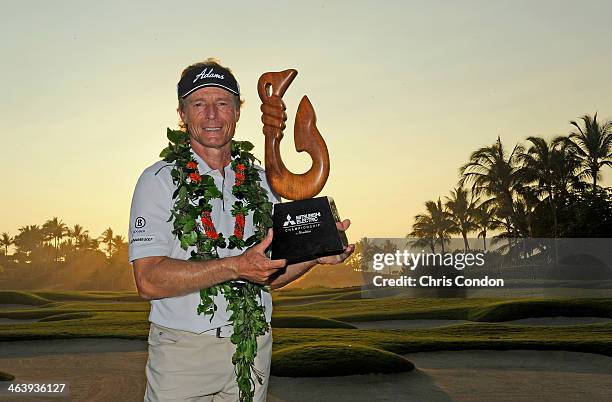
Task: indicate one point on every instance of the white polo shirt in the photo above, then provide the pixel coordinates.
(150, 234)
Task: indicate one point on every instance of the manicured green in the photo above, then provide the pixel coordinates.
(19, 297)
(295, 321)
(6, 376)
(513, 310)
(314, 291)
(493, 310)
(594, 338)
(310, 324)
(287, 298)
(329, 359)
(67, 316)
(89, 296)
(129, 325)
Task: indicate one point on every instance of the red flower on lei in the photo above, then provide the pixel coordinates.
(206, 219)
(195, 177)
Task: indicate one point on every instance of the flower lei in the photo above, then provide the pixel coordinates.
(192, 203)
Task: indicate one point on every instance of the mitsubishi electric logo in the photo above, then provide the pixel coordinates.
(301, 223)
(288, 221)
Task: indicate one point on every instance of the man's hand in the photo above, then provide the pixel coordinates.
(336, 259)
(274, 113)
(254, 266)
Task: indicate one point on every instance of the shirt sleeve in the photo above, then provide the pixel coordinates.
(150, 233)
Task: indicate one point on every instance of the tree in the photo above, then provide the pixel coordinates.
(66, 248)
(6, 241)
(29, 241)
(593, 146)
(434, 226)
(56, 231)
(485, 220)
(552, 170)
(364, 253)
(462, 213)
(118, 245)
(493, 172)
(78, 235)
(587, 214)
(107, 238)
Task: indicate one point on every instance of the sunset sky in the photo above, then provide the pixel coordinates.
(404, 91)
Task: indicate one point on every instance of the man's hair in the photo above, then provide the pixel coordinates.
(210, 62)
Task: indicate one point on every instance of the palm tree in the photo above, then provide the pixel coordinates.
(56, 230)
(368, 249)
(485, 219)
(78, 235)
(6, 241)
(435, 225)
(462, 212)
(551, 167)
(118, 244)
(493, 172)
(29, 240)
(592, 144)
(66, 248)
(107, 238)
(89, 243)
(387, 247)
(423, 229)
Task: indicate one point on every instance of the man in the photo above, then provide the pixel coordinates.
(190, 355)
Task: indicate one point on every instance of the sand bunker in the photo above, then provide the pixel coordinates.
(113, 370)
(466, 376)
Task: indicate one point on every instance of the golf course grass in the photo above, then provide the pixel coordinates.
(328, 359)
(6, 376)
(299, 321)
(314, 337)
(19, 297)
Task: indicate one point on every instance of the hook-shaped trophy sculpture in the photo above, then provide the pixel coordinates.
(305, 228)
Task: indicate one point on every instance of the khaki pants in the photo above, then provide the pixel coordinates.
(184, 366)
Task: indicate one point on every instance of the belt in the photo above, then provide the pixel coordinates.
(221, 332)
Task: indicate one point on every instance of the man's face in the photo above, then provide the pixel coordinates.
(211, 115)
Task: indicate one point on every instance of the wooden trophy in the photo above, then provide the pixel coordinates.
(304, 229)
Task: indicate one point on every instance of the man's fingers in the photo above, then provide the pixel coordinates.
(265, 242)
(344, 225)
(274, 122)
(275, 111)
(277, 264)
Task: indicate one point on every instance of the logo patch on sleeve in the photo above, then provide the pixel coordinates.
(140, 222)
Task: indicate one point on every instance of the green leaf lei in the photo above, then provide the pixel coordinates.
(192, 204)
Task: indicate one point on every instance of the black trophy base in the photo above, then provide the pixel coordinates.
(306, 229)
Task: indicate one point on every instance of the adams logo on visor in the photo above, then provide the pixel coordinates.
(207, 76)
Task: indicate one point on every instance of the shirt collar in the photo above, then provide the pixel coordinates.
(203, 166)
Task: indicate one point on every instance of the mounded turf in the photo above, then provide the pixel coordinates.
(310, 323)
(514, 310)
(592, 338)
(67, 316)
(89, 296)
(6, 376)
(328, 359)
(483, 310)
(293, 321)
(318, 291)
(18, 297)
